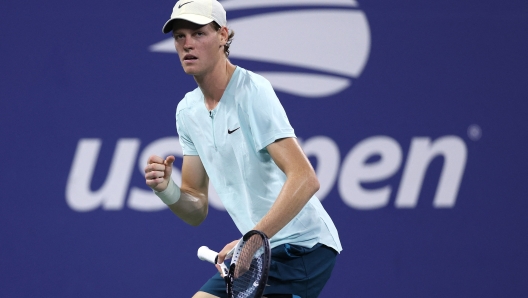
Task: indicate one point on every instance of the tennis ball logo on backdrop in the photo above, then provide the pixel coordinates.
(320, 46)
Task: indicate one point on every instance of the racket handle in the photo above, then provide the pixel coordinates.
(209, 255)
(206, 254)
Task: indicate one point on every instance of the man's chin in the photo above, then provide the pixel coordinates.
(190, 71)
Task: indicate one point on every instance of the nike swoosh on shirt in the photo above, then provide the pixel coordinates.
(232, 131)
(180, 6)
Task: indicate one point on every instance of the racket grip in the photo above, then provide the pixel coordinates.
(209, 255)
(206, 254)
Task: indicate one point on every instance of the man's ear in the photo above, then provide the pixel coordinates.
(225, 35)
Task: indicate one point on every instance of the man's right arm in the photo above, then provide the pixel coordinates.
(189, 203)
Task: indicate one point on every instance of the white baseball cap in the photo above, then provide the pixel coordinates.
(200, 12)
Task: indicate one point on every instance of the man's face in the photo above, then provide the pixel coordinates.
(199, 46)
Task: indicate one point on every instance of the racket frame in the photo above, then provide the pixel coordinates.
(206, 254)
(267, 260)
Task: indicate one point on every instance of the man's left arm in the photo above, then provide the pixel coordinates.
(301, 184)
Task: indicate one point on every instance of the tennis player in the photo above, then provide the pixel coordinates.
(235, 132)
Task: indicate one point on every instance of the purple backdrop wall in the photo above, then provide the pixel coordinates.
(413, 114)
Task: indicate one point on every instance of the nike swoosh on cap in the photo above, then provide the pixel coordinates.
(180, 6)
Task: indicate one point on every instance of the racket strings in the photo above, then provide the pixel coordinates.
(246, 285)
(249, 268)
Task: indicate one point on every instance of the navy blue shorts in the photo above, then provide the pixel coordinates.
(295, 270)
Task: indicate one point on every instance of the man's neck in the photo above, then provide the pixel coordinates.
(214, 83)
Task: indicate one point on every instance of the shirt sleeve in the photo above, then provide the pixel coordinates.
(185, 141)
(267, 117)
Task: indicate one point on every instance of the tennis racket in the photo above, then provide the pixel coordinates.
(248, 273)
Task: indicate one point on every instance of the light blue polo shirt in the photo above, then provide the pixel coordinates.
(231, 141)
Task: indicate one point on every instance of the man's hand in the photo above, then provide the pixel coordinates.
(158, 172)
(222, 254)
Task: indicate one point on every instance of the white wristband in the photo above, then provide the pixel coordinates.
(171, 194)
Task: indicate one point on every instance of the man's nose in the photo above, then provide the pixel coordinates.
(189, 44)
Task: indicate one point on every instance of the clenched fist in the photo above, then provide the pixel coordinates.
(158, 172)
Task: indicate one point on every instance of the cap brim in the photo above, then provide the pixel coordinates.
(193, 18)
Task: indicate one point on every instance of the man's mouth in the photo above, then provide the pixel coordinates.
(189, 57)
